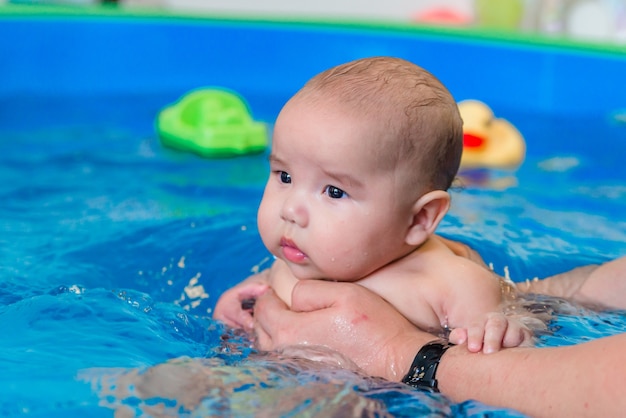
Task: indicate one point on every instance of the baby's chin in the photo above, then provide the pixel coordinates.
(303, 273)
(321, 276)
(311, 272)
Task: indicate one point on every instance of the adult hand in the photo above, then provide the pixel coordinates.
(234, 307)
(344, 317)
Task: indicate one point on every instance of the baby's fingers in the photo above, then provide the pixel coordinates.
(458, 336)
(517, 334)
(475, 336)
(495, 331)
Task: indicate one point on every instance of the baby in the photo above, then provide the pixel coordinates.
(362, 158)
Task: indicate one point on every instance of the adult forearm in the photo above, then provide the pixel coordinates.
(606, 285)
(583, 380)
(600, 285)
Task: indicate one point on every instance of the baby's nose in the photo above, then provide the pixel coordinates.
(295, 210)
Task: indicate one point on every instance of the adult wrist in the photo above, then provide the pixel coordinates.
(423, 371)
(394, 361)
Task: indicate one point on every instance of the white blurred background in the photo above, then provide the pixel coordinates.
(588, 20)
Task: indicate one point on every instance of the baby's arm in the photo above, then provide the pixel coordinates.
(234, 307)
(603, 285)
(475, 312)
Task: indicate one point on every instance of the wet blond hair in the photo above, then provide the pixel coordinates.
(420, 124)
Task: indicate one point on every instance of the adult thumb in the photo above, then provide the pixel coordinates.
(313, 295)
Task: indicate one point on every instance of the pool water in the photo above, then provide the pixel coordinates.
(115, 250)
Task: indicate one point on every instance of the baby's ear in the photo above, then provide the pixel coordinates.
(428, 211)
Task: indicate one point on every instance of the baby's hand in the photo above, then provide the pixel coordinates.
(235, 306)
(495, 332)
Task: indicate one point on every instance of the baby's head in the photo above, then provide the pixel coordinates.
(361, 158)
(416, 120)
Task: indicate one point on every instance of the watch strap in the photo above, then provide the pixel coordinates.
(424, 367)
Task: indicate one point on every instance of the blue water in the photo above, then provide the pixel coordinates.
(114, 251)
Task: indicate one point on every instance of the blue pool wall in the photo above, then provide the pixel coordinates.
(49, 52)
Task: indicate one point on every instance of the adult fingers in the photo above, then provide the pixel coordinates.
(312, 295)
(252, 290)
(271, 314)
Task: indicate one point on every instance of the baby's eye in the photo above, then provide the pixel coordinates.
(285, 177)
(335, 192)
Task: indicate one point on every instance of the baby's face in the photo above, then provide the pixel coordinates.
(328, 210)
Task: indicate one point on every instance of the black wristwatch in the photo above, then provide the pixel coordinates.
(422, 372)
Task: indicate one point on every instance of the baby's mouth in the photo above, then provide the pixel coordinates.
(291, 252)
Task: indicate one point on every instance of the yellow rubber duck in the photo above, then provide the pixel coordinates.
(489, 142)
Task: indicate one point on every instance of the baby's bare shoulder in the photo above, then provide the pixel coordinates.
(462, 250)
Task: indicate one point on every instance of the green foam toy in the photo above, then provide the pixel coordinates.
(211, 122)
